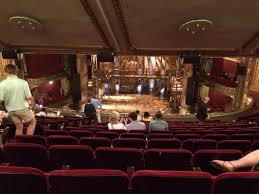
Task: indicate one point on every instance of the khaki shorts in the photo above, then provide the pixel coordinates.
(21, 115)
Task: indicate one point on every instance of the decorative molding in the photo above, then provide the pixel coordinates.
(94, 20)
(251, 43)
(121, 18)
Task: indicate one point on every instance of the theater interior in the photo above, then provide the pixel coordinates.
(133, 55)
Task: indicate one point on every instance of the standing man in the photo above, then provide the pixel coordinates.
(98, 106)
(16, 94)
(89, 110)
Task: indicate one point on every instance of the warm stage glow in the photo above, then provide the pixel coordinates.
(131, 102)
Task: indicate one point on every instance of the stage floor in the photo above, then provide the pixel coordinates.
(125, 103)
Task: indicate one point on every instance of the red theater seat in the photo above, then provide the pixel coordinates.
(61, 140)
(227, 132)
(48, 132)
(242, 137)
(160, 135)
(183, 137)
(164, 143)
(26, 154)
(107, 134)
(243, 145)
(119, 158)
(170, 182)
(134, 135)
(37, 139)
(119, 131)
(202, 158)
(198, 144)
(237, 183)
(168, 159)
(217, 137)
(138, 131)
(75, 156)
(95, 142)
(88, 181)
(22, 180)
(81, 133)
(175, 132)
(129, 143)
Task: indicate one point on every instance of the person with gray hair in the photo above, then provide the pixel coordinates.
(16, 94)
(114, 123)
(158, 124)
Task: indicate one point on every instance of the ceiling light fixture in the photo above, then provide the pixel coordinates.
(25, 23)
(196, 27)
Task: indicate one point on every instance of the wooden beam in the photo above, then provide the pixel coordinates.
(94, 20)
(121, 18)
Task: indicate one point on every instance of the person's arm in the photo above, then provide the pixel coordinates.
(28, 95)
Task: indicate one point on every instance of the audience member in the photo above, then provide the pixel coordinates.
(147, 117)
(115, 124)
(16, 95)
(90, 113)
(248, 161)
(98, 106)
(139, 118)
(42, 112)
(158, 124)
(135, 124)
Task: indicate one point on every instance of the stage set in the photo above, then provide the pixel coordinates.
(169, 84)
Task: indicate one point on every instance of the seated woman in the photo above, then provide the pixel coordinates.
(158, 123)
(147, 117)
(248, 161)
(115, 124)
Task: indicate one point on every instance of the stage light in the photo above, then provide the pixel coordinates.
(51, 82)
(139, 89)
(117, 88)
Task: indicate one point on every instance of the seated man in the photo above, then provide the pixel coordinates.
(135, 124)
(158, 124)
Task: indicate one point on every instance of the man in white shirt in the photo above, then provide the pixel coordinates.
(16, 94)
(135, 124)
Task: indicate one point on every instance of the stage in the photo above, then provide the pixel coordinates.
(125, 103)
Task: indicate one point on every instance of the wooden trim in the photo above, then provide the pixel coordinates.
(3, 44)
(121, 18)
(250, 44)
(94, 20)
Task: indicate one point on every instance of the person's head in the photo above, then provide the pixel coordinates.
(133, 116)
(10, 69)
(43, 109)
(89, 100)
(158, 115)
(138, 112)
(146, 114)
(115, 116)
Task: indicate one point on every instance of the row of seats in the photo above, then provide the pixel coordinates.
(165, 143)
(82, 157)
(28, 180)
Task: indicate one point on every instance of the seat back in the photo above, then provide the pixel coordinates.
(183, 137)
(160, 135)
(164, 143)
(88, 181)
(37, 139)
(129, 143)
(237, 183)
(198, 144)
(168, 182)
(217, 137)
(95, 142)
(48, 132)
(168, 159)
(75, 156)
(118, 158)
(22, 180)
(81, 133)
(107, 134)
(26, 154)
(134, 135)
(243, 145)
(243, 136)
(61, 140)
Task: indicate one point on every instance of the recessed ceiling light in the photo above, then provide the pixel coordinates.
(24, 22)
